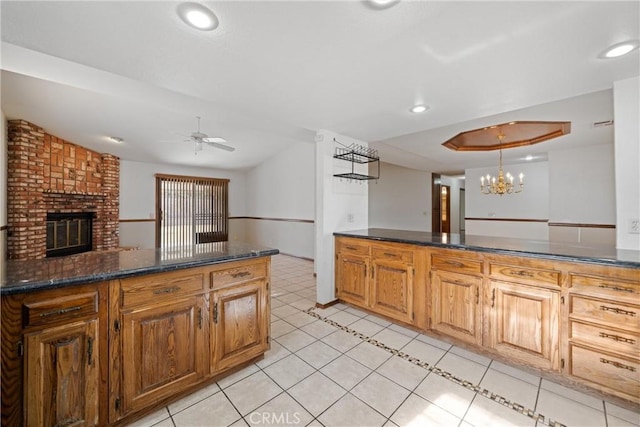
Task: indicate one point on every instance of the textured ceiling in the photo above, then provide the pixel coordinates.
(274, 73)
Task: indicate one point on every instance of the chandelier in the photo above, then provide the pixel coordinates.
(503, 184)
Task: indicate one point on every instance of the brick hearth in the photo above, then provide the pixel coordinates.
(48, 174)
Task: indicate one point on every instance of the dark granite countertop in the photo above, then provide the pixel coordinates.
(606, 255)
(90, 267)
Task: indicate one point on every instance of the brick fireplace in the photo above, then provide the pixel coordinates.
(48, 175)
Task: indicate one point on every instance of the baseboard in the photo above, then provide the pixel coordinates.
(327, 305)
(297, 256)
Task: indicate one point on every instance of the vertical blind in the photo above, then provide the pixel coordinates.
(191, 210)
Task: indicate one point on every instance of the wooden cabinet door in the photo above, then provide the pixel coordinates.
(352, 279)
(240, 324)
(392, 290)
(455, 305)
(62, 373)
(163, 350)
(524, 323)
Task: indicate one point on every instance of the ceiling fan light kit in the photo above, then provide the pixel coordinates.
(198, 138)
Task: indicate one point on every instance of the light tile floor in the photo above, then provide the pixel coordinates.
(318, 375)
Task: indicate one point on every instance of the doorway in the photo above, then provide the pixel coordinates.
(462, 210)
(445, 209)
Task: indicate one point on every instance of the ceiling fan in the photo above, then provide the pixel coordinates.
(199, 138)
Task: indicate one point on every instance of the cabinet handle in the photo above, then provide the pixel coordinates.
(90, 350)
(461, 282)
(493, 297)
(454, 263)
(521, 273)
(617, 364)
(166, 290)
(617, 338)
(477, 295)
(351, 248)
(215, 313)
(617, 310)
(61, 311)
(199, 317)
(240, 274)
(615, 288)
(390, 254)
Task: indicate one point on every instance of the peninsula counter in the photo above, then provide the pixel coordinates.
(102, 338)
(570, 312)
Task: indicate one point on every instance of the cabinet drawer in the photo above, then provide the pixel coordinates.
(602, 337)
(353, 248)
(62, 309)
(604, 285)
(606, 311)
(241, 273)
(456, 265)
(393, 254)
(150, 289)
(610, 371)
(525, 275)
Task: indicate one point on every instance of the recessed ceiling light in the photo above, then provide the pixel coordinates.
(116, 139)
(382, 4)
(198, 16)
(620, 49)
(419, 108)
(529, 157)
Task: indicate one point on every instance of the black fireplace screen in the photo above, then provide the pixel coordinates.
(68, 233)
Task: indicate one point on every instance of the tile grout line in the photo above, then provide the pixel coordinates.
(447, 375)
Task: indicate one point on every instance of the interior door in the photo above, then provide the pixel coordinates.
(445, 209)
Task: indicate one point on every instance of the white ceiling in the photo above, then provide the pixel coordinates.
(275, 72)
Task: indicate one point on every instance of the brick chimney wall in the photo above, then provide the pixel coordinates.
(47, 174)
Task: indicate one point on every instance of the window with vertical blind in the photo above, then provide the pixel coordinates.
(191, 210)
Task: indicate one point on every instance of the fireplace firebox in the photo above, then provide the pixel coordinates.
(69, 233)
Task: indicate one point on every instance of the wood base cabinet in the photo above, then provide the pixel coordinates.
(376, 277)
(604, 331)
(525, 323)
(455, 305)
(163, 351)
(61, 365)
(353, 272)
(573, 321)
(103, 354)
(54, 357)
(241, 325)
(392, 285)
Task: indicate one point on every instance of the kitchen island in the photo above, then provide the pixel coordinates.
(102, 338)
(568, 311)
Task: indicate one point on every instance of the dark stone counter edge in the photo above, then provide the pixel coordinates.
(101, 277)
(529, 254)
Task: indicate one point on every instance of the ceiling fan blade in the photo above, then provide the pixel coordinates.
(218, 145)
(217, 139)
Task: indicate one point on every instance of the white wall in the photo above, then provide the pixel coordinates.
(400, 199)
(283, 187)
(626, 107)
(340, 205)
(531, 203)
(137, 198)
(582, 185)
(582, 191)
